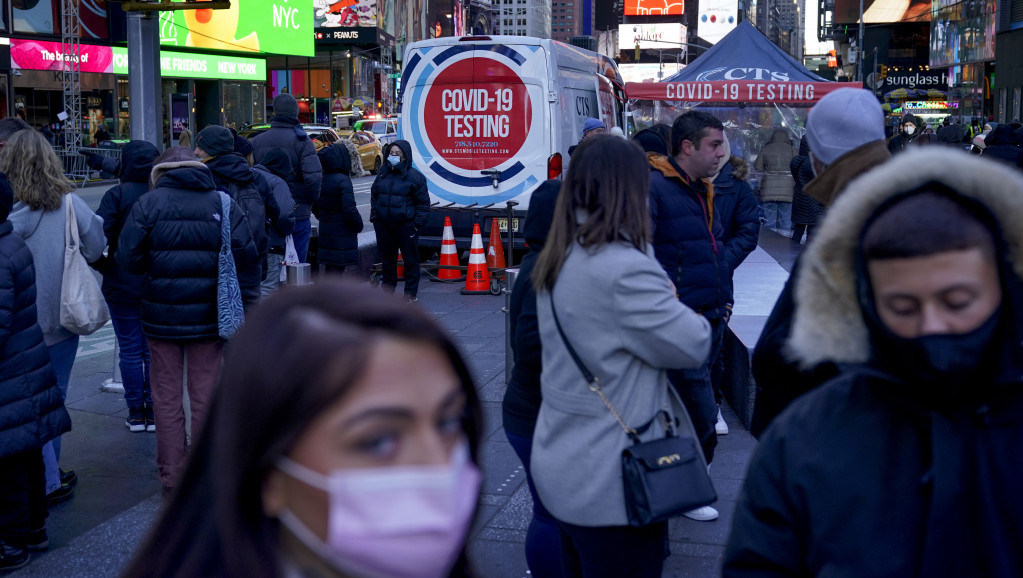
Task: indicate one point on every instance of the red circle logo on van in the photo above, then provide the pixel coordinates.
(477, 113)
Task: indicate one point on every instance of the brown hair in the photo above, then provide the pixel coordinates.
(608, 180)
(35, 172)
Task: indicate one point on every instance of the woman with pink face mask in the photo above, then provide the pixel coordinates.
(341, 441)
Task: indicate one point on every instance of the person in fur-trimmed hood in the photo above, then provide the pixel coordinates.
(907, 463)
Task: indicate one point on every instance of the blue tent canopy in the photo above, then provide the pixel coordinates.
(745, 54)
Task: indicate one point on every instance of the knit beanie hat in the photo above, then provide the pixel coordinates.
(215, 140)
(592, 123)
(6, 198)
(651, 142)
(285, 105)
(242, 145)
(842, 121)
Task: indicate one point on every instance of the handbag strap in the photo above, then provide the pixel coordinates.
(71, 238)
(225, 222)
(592, 382)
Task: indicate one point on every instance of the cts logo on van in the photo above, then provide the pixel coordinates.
(477, 125)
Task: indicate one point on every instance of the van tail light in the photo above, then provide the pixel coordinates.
(473, 38)
(554, 166)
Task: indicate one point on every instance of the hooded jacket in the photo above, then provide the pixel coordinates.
(863, 477)
(805, 209)
(1002, 144)
(120, 286)
(287, 134)
(399, 195)
(340, 221)
(899, 142)
(274, 168)
(687, 237)
(735, 205)
(522, 397)
(232, 174)
(172, 237)
(31, 408)
(778, 379)
(774, 160)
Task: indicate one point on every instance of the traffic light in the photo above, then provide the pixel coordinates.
(832, 59)
(884, 72)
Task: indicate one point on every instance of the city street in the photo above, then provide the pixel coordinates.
(118, 495)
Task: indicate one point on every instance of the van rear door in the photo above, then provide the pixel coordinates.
(475, 113)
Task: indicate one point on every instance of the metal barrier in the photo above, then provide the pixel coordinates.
(76, 166)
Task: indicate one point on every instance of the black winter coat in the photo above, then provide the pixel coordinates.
(736, 207)
(340, 221)
(232, 174)
(399, 195)
(120, 286)
(173, 237)
(289, 136)
(274, 167)
(522, 398)
(914, 492)
(805, 209)
(687, 243)
(31, 408)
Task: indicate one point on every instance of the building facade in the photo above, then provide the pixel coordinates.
(572, 18)
(523, 18)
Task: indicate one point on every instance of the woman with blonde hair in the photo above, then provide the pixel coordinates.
(40, 191)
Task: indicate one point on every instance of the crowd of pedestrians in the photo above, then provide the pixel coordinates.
(337, 433)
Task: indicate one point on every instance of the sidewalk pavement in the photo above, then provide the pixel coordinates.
(118, 495)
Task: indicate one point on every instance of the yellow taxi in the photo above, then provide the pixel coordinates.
(370, 149)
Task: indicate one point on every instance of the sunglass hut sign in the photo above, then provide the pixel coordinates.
(915, 80)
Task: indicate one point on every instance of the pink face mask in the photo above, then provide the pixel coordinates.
(401, 522)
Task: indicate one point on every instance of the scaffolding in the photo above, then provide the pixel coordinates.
(71, 75)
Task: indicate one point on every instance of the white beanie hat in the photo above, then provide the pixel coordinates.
(842, 121)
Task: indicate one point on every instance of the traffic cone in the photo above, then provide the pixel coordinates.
(495, 254)
(449, 255)
(401, 267)
(477, 282)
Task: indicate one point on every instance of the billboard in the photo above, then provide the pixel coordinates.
(651, 36)
(716, 18)
(882, 11)
(654, 8)
(274, 26)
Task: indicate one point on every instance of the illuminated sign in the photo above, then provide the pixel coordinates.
(716, 18)
(882, 11)
(735, 92)
(273, 26)
(42, 55)
(662, 36)
(654, 8)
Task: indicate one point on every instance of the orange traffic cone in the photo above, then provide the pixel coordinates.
(401, 267)
(448, 255)
(477, 282)
(495, 254)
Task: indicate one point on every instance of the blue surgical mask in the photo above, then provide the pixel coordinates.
(395, 160)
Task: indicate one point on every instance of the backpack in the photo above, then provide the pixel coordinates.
(248, 199)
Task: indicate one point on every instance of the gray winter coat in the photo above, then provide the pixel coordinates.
(774, 160)
(619, 311)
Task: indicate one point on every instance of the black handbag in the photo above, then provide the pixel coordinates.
(663, 478)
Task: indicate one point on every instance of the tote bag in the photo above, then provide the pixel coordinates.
(230, 314)
(82, 307)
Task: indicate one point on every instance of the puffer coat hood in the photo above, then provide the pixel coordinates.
(137, 161)
(406, 163)
(829, 320)
(334, 159)
(277, 162)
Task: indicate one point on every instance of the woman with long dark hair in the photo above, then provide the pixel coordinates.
(618, 310)
(341, 441)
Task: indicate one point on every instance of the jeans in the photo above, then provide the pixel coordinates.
(695, 388)
(717, 359)
(329, 269)
(391, 238)
(167, 373)
(62, 359)
(778, 215)
(798, 230)
(23, 506)
(134, 354)
(543, 538)
(273, 274)
(303, 230)
(613, 551)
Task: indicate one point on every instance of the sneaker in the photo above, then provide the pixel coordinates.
(704, 514)
(68, 477)
(721, 428)
(62, 494)
(150, 418)
(411, 298)
(37, 540)
(12, 557)
(136, 421)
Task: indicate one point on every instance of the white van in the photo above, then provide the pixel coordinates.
(489, 118)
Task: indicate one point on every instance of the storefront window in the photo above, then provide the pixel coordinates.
(244, 103)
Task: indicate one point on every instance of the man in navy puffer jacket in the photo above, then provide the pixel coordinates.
(31, 407)
(399, 204)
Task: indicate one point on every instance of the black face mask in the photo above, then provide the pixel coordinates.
(949, 367)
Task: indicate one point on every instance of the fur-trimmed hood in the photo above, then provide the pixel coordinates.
(198, 176)
(829, 324)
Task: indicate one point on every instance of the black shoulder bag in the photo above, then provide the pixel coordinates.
(662, 478)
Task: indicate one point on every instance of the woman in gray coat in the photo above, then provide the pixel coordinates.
(619, 312)
(777, 182)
